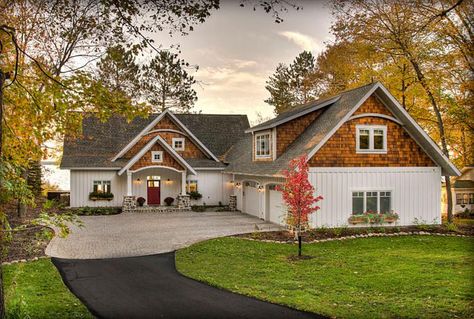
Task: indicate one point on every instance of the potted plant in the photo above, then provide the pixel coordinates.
(390, 217)
(141, 201)
(358, 219)
(168, 201)
(195, 195)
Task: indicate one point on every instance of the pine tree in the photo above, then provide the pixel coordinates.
(168, 85)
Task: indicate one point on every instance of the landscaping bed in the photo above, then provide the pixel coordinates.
(95, 211)
(35, 290)
(379, 277)
(326, 233)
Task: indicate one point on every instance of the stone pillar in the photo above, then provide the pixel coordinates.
(184, 202)
(233, 203)
(129, 204)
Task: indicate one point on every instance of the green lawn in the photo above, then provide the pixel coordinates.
(35, 290)
(388, 277)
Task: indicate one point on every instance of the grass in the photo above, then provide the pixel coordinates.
(389, 277)
(35, 290)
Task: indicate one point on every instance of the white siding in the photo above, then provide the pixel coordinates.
(214, 186)
(82, 184)
(415, 192)
(171, 188)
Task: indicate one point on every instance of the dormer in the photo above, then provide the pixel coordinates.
(264, 143)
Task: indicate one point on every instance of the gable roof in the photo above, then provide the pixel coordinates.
(101, 141)
(162, 142)
(324, 126)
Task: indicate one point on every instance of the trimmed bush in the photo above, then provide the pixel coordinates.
(168, 201)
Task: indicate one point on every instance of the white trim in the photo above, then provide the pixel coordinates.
(156, 166)
(258, 175)
(270, 147)
(209, 168)
(145, 149)
(341, 122)
(387, 117)
(139, 136)
(404, 169)
(294, 116)
(193, 137)
(371, 129)
(93, 168)
(178, 139)
(153, 153)
(165, 130)
(365, 190)
(274, 143)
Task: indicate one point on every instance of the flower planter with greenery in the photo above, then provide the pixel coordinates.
(195, 195)
(373, 218)
(100, 196)
(168, 201)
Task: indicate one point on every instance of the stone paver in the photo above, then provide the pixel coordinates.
(138, 234)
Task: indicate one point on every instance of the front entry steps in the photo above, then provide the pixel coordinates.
(160, 209)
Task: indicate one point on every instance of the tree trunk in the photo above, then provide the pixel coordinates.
(2, 299)
(299, 244)
(442, 133)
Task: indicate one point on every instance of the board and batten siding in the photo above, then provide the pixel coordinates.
(416, 192)
(82, 182)
(214, 186)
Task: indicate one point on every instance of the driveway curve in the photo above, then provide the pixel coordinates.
(139, 234)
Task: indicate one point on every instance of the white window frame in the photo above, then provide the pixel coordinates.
(178, 139)
(378, 191)
(371, 129)
(270, 145)
(102, 183)
(153, 153)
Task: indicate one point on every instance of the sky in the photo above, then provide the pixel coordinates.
(237, 49)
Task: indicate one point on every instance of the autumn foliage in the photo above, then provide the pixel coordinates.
(298, 194)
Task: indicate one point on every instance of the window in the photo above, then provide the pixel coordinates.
(191, 186)
(464, 198)
(178, 143)
(262, 145)
(157, 157)
(371, 139)
(375, 201)
(101, 187)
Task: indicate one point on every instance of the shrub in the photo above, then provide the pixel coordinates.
(141, 201)
(195, 195)
(466, 214)
(196, 208)
(100, 195)
(96, 211)
(169, 201)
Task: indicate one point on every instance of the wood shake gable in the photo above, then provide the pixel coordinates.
(340, 149)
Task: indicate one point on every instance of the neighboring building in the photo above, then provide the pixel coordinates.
(365, 153)
(462, 190)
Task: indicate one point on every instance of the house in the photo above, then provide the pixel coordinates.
(462, 190)
(365, 153)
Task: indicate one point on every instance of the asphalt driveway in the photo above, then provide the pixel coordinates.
(150, 287)
(139, 234)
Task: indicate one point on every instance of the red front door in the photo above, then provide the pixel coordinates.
(153, 192)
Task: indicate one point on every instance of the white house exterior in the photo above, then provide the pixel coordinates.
(364, 151)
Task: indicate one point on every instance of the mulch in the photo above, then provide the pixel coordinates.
(327, 233)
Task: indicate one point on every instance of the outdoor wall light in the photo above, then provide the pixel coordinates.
(138, 181)
(168, 181)
(261, 188)
(237, 185)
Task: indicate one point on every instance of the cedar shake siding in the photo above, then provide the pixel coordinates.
(289, 131)
(190, 149)
(168, 160)
(340, 149)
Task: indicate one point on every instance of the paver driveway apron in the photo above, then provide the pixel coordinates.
(138, 234)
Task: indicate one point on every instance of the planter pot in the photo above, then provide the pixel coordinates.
(357, 221)
(390, 220)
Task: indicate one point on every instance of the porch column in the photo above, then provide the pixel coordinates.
(129, 183)
(183, 183)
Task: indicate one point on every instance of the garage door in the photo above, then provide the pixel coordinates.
(275, 207)
(251, 199)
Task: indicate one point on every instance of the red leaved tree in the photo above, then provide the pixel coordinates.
(298, 194)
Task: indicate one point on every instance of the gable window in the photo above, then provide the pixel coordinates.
(191, 186)
(371, 139)
(374, 201)
(262, 145)
(101, 187)
(157, 157)
(178, 143)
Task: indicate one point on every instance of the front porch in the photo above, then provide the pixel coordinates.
(153, 186)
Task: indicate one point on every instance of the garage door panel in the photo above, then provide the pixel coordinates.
(251, 201)
(276, 207)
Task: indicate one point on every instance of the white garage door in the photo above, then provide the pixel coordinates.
(251, 200)
(275, 207)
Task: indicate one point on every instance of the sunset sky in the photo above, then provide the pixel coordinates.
(237, 49)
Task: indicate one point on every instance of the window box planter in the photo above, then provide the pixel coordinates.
(373, 218)
(94, 196)
(358, 219)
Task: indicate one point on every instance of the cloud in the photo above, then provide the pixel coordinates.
(304, 41)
